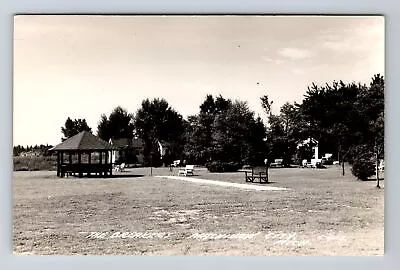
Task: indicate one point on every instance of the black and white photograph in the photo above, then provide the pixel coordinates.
(198, 135)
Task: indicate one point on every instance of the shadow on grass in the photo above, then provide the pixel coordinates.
(262, 183)
(125, 175)
(114, 176)
(372, 179)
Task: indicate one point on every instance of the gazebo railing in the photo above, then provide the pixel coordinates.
(88, 168)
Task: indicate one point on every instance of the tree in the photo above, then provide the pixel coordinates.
(266, 104)
(377, 127)
(103, 131)
(283, 131)
(225, 134)
(157, 122)
(199, 130)
(289, 117)
(17, 150)
(73, 127)
(118, 125)
(238, 137)
(371, 105)
(332, 117)
(347, 119)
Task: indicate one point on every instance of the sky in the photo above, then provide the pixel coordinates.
(82, 66)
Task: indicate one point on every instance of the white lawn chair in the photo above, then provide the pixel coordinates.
(304, 163)
(116, 167)
(120, 168)
(189, 169)
(176, 163)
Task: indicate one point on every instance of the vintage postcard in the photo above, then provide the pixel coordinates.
(198, 135)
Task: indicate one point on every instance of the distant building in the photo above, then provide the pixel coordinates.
(120, 154)
(130, 151)
(310, 142)
(30, 154)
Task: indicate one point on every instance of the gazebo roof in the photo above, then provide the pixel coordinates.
(83, 141)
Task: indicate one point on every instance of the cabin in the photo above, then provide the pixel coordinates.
(128, 151)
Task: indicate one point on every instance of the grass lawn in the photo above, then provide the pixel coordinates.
(321, 213)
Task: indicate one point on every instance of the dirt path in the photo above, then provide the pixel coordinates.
(224, 184)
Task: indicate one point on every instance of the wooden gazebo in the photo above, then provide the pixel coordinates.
(84, 153)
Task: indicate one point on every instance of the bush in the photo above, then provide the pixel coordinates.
(219, 166)
(363, 168)
(34, 163)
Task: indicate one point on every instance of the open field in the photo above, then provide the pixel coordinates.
(320, 213)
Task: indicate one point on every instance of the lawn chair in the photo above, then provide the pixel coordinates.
(120, 168)
(176, 163)
(305, 163)
(189, 169)
(116, 167)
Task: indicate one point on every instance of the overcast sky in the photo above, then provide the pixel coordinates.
(83, 66)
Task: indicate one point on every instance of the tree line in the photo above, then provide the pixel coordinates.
(40, 149)
(347, 120)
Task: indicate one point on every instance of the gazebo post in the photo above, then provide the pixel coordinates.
(89, 161)
(80, 165)
(101, 162)
(110, 155)
(61, 163)
(58, 164)
(106, 161)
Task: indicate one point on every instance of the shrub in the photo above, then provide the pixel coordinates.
(219, 166)
(34, 163)
(363, 168)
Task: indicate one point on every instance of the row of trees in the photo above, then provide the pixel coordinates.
(225, 134)
(346, 119)
(40, 149)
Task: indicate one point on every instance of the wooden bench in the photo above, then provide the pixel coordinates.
(260, 173)
(189, 169)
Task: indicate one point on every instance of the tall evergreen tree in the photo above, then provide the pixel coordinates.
(73, 127)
